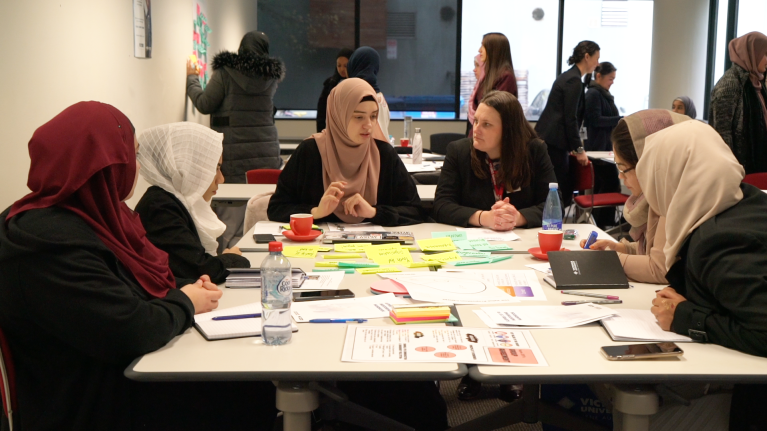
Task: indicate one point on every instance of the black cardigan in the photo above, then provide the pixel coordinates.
(170, 227)
(561, 119)
(300, 188)
(722, 275)
(75, 318)
(601, 117)
(460, 193)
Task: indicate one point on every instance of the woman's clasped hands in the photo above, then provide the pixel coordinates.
(502, 216)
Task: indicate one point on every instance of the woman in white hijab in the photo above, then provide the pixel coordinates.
(716, 249)
(182, 162)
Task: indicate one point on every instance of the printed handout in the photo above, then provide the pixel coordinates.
(457, 288)
(369, 307)
(323, 280)
(547, 316)
(488, 234)
(521, 284)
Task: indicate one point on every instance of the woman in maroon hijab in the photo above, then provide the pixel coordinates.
(83, 291)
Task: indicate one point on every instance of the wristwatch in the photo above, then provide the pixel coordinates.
(579, 150)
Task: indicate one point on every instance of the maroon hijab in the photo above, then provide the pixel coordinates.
(84, 160)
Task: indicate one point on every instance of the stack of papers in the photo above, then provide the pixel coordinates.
(251, 278)
(546, 316)
(638, 325)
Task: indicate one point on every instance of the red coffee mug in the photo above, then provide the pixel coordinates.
(301, 224)
(404, 142)
(550, 240)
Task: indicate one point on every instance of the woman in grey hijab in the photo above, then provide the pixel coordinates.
(683, 105)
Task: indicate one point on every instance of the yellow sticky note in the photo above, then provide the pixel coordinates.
(333, 264)
(436, 244)
(352, 247)
(410, 247)
(388, 254)
(305, 251)
(422, 264)
(442, 257)
(324, 248)
(342, 256)
(378, 270)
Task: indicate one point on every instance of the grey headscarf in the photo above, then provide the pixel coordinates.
(689, 107)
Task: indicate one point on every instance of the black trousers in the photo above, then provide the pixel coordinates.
(747, 411)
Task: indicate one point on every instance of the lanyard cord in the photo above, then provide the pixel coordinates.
(497, 188)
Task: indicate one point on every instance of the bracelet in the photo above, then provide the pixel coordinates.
(480, 218)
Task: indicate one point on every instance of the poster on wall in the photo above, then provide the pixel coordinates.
(200, 44)
(142, 29)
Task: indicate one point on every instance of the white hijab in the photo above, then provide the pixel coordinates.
(182, 159)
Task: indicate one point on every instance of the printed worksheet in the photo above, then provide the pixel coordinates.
(323, 280)
(488, 234)
(368, 307)
(521, 284)
(480, 346)
(548, 316)
(457, 288)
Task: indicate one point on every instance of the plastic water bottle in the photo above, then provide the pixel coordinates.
(391, 140)
(552, 212)
(417, 147)
(408, 123)
(276, 295)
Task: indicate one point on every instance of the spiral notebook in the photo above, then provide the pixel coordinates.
(226, 329)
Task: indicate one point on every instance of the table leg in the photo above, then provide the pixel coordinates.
(296, 402)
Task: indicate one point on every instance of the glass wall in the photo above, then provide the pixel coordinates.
(752, 16)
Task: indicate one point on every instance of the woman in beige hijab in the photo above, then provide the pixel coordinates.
(643, 259)
(716, 249)
(343, 173)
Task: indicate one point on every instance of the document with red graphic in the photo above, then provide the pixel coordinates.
(480, 346)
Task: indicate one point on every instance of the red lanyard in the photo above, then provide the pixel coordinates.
(497, 188)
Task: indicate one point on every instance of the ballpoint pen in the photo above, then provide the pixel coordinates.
(238, 316)
(337, 320)
(592, 295)
(604, 301)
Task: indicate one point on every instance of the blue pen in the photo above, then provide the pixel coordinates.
(591, 240)
(238, 316)
(337, 320)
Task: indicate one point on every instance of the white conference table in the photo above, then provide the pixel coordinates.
(239, 194)
(314, 353)
(606, 156)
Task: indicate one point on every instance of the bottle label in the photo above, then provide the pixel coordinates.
(552, 225)
(285, 288)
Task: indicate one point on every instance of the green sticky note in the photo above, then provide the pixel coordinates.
(478, 243)
(357, 265)
(454, 235)
(494, 247)
(449, 256)
(464, 244)
(471, 262)
(436, 244)
(499, 258)
(347, 270)
(473, 253)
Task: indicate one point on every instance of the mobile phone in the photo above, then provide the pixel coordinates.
(319, 295)
(263, 238)
(571, 234)
(641, 351)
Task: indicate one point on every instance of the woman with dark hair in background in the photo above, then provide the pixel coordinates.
(683, 105)
(339, 74)
(364, 64)
(738, 110)
(495, 54)
(561, 119)
(601, 117)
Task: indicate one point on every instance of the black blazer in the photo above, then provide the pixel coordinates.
(561, 120)
(601, 117)
(721, 273)
(460, 193)
(300, 188)
(170, 227)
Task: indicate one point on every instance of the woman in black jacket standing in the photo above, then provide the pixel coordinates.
(339, 74)
(561, 120)
(601, 118)
(500, 177)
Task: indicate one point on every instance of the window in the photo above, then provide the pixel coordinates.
(751, 16)
(721, 37)
(623, 31)
(531, 27)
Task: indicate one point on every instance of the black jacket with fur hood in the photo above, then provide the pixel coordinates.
(239, 99)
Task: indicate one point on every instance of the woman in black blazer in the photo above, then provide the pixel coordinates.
(560, 122)
(500, 178)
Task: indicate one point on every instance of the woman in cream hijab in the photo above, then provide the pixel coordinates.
(182, 162)
(343, 173)
(716, 249)
(643, 258)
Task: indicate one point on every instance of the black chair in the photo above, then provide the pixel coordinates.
(438, 141)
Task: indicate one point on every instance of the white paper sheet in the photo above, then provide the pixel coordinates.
(541, 267)
(457, 288)
(638, 325)
(223, 329)
(489, 234)
(441, 344)
(369, 307)
(272, 227)
(548, 316)
(514, 282)
(329, 280)
(355, 227)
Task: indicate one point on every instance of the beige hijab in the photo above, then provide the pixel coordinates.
(636, 211)
(342, 158)
(689, 175)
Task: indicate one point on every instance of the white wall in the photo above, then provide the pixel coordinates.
(59, 53)
(679, 44)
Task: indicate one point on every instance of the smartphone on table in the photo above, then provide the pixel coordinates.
(641, 351)
(319, 295)
(263, 238)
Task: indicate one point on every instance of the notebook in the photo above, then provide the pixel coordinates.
(371, 237)
(226, 329)
(587, 270)
(638, 325)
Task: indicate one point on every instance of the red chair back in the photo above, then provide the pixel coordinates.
(7, 380)
(582, 176)
(757, 180)
(263, 176)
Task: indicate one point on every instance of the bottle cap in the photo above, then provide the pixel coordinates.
(275, 246)
(418, 130)
(553, 186)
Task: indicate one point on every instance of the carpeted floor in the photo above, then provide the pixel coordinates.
(459, 411)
